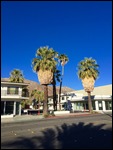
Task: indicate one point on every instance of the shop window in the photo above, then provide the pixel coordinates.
(9, 107)
(100, 105)
(2, 107)
(108, 105)
(17, 108)
(93, 105)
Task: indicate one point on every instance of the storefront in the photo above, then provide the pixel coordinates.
(10, 108)
(11, 96)
(99, 103)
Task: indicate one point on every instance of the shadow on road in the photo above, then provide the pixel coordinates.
(107, 113)
(80, 136)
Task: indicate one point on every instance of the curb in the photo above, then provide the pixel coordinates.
(65, 116)
(30, 118)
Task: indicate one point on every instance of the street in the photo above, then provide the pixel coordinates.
(82, 132)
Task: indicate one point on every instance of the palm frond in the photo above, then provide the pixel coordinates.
(16, 76)
(88, 68)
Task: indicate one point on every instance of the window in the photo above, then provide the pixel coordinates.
(108, 105)
(100, 105)
(9, 107)
(62, 106)
(62, 98)
(67, 97)
(25, 92)
(12, 90)
(93, 105)
(2, 107)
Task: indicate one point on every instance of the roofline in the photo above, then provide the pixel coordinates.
(14, 83)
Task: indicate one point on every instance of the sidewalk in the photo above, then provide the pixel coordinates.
(24, 118)
(21, 118)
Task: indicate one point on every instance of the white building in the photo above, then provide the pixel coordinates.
(11, 96)
(101, 99)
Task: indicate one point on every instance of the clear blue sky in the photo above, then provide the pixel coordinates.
(77, 29)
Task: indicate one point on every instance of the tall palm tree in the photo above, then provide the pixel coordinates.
(44, 65)
(63, 60)
(16, 76)
(88, 73)
(56, 77)
(38, 96)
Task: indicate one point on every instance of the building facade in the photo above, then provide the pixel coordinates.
(101, 99)
(11, 96)
(13, 93)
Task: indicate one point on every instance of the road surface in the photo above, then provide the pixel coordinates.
(81, 132)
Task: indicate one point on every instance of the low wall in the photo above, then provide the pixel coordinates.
(61, 112)
(7, 116)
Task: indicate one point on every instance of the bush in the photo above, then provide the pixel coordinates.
(49, 114)
(46, 115)
(95, 112)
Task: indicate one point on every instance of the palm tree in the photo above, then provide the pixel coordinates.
(56, 77)
(38, 96)
(88, 73)
(63, 60)
(44, 65)
(25, 102)
(16, 76)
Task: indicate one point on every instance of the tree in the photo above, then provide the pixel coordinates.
(88, 73)
(56, 77)
(16, 76)
(44, 65)
(38, 96)
(25, 103)
(63, 60)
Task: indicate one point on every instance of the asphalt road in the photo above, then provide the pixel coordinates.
(81, 132)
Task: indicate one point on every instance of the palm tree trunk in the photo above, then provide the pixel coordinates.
(60, 94)
(90, 102)
(61, 87)
(54, 97)
(45, 103)
(38, 109)
(54, 94)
